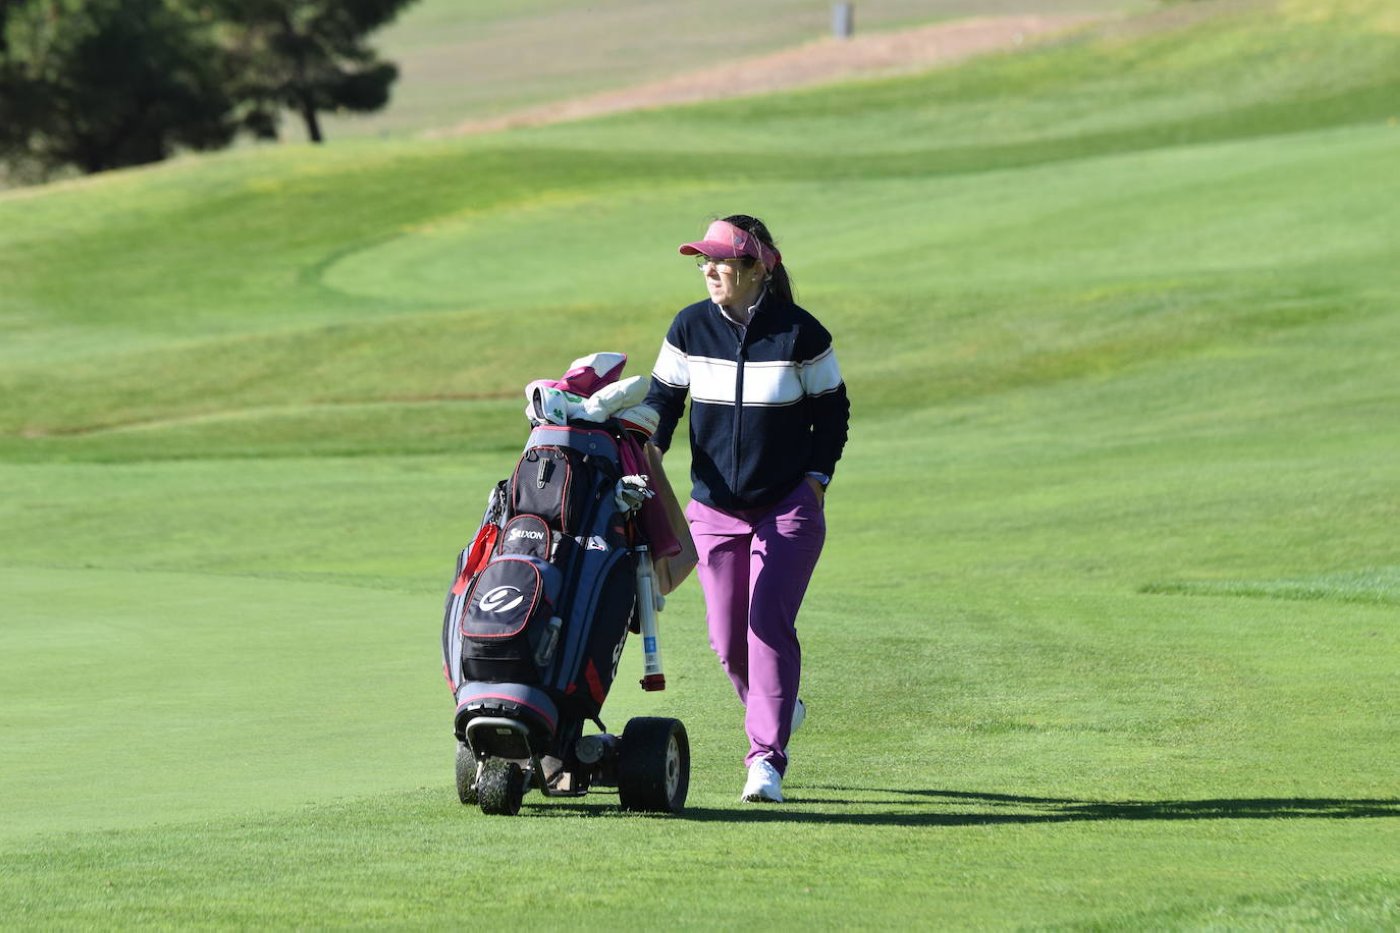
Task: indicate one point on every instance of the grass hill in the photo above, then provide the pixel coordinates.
(1104, 634)
(462, 61)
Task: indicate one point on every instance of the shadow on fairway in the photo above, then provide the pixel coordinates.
(960, 808)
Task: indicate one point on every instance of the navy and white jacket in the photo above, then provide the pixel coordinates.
(766, 408)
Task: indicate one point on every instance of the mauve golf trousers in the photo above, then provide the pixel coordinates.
(754, 570)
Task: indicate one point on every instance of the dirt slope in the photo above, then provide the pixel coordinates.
(815, 63)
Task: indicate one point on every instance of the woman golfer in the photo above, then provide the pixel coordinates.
(768, 420)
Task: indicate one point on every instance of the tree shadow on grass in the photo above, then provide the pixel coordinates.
(867, 806)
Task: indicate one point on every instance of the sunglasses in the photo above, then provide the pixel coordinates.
(724, 265)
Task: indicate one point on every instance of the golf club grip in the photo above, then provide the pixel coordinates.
(653, 675)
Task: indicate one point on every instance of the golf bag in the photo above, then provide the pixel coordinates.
(539, 610)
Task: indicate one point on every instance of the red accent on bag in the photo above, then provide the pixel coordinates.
(595, 683)
(480, 553)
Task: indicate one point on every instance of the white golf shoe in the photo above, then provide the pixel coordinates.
(765, 784)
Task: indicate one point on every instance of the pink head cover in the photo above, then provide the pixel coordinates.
(723, 240)
(589, 374)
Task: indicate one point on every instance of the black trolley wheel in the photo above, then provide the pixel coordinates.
(653, 768)
(500, 787)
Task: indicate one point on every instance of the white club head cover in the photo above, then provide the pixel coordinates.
(640, 419)
(611, 399)
(549, 405)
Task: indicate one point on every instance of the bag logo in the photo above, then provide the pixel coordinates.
(501, 599)
(522, 533)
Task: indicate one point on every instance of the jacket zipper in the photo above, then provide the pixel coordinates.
(739, 356)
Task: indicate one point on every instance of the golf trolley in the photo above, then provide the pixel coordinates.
(559, 573)
(649, 765)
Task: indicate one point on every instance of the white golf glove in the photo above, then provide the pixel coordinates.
(631, 492)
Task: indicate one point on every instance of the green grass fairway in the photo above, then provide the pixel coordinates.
(1105, 634)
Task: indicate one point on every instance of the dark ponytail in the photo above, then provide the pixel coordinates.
(779, 282)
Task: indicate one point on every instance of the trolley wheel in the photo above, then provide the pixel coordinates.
(653, 768)
(467, 772)
(500, 787)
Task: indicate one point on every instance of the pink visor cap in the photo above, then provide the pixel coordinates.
(723, 240)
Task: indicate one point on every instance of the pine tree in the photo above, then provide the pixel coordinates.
(100, 84)
(311, 56)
